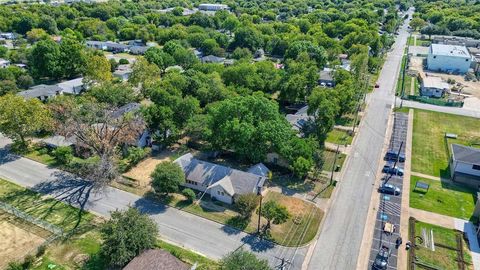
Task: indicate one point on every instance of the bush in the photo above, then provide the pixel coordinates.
(137, 154)
(189, 194)
(123, 61)
(246, 203)
(28, 261)
(14, 266)
(63, 154)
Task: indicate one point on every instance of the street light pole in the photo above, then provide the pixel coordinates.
(334, 164)
(259, 192)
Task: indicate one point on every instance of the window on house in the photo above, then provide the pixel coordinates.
(223, 194)
(466, 60)
(476, 167)
(434, 56)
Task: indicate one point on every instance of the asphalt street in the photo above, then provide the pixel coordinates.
(341, 235)
(209, 238)
(443, 109)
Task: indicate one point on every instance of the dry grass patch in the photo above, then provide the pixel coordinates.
(300, 228)
(18, 239)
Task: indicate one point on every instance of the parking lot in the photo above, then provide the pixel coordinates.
(390, 205)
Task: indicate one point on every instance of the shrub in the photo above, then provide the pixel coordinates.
(14, 266)
(63, 154)
(123, 61)
(137, 154)
(189, 194)
(246, 203)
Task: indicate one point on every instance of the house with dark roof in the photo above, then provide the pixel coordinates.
(465, 165)
(213, 59)
(300, 121)
(220, 182)
(156, 259)
(42, 92)
(144, 138)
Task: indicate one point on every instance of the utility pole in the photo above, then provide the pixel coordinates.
(259, 192)
(334, 164)
(404, 71)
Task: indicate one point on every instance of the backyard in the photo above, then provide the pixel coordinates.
(430, 148)
(445, 254)
(443, 197)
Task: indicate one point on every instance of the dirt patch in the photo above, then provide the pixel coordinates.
(16, 242)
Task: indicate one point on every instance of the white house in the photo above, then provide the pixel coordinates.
(74, 87)
(221, 183)
(123, 72)
(434, 87)
(4, 63)
(448, 58)
(465, 165)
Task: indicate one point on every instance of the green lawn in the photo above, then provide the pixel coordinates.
(48, 209)
(399, 80)
(430, 149)
(41, 155)
(442, 258)
(337, 136)
(329, 158)
(444, 198)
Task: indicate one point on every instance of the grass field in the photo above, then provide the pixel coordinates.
(329, 158)
(444, 198)
(48, 209)
(337, 136)
(442, 258)
(430, 149)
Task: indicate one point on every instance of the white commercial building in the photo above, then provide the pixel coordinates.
(448, 58)
(434, 87)
(212, 7)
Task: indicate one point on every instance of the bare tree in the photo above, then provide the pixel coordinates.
(100, 128)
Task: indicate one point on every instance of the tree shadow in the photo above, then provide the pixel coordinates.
(148, 206)
(6, 156)
(257, 244)
(68, 189)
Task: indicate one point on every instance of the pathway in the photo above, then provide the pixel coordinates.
(442, 109)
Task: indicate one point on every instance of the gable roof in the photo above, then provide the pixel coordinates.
(212, 59)
(466, 154)
(40, 91)
(231, 180)
(259, 169)
(156, 259)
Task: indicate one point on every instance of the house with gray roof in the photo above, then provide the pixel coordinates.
(42, 92)
(465, 165)
(144, 138)
(74, 87)
(220, 182)
(300, 120)
(213, 59)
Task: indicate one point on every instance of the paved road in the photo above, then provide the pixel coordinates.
(430, 107)
(339, 242)
(206, 237)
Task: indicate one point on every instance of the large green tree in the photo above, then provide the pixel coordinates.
(167, 177)
(21, 118)
(251, 126)
(44, 59)
(125, 235)
(324, 107)
(274, 213)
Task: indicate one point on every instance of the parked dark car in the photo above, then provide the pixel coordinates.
(392, 155)
(381, 261)
(389, 189)
(392, 170)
